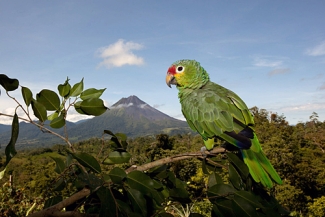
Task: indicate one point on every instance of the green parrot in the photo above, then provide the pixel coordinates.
(214, 111)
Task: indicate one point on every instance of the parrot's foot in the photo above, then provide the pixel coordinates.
(203, 150)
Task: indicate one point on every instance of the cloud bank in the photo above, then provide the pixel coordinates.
(304, 107)
(125, 105)
(279, 71)
(318, 50)
(120, 54)
(275, 64)
(267, 63)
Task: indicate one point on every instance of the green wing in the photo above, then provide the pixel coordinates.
(214, 111)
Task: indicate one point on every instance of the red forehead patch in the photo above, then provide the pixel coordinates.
(172, 70)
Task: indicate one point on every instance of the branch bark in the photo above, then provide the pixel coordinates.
(43, 128)
(172, 159)
(55, 210)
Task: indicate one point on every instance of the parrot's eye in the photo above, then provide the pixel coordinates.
(180, 69)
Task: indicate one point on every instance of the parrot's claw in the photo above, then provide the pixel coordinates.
(203, 150)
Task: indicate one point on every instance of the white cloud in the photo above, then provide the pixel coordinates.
(318, 50)
(74, 116)
(179, 117)
(119, 54)
(156, 106)
(304, 107)
(143, 106)
(261, 62)
(11, 111)
(279, 71)
(122, 106)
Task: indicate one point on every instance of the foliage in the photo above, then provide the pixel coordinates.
(156, 176)
(317, 208)
(14, 201)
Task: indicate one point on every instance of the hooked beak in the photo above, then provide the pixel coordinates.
(170, 79)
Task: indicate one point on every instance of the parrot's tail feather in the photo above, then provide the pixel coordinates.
(255, 169)
(260, 168)
(262, 159)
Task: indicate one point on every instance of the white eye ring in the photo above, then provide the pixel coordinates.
(180, 69)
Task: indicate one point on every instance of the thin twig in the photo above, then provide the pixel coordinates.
(43, 128)
(172, 159)
(55, 210)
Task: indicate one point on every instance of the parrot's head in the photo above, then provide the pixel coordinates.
(186, 74)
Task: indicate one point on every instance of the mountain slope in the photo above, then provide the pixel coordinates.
(129, 115)
(4, 128)
(32, 136)
(133, 117)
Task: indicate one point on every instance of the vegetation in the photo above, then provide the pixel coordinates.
(158, 175)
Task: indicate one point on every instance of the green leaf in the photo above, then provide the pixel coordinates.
(158, 170)
(138, 201)
(108, 204)
(2, 173)
(216, 212)
(116, 157)
(68, 159)
(39, 110)
(91, 93)
(10, 150)
(242, 207)
(117, 175)
(49, 99)
(58, 122)
(9, 84)
(53, 116)
(234, 177)
(250, 198)
(109, 133)
(59, 165)
(59, 185)
(87, 160)
(125, 209)
(221, 190)
(77, 107)
(204, 167)
(27, 95)
(77, 88)
(239, 164)
(52, 201)
(115, 145)
(180, 195)
(214, 179)
(122, 138)
(93, 106)
(64, 89)
(90, 180)
(225, 207)
(140, 181)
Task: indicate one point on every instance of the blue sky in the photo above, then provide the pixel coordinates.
(271, 53)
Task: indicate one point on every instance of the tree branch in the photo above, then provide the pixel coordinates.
(43, 128)
(174, 159)
(55, 210)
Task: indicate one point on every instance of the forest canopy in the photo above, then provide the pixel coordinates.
(158, 175)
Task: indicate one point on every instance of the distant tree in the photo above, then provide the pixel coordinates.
(105, 184)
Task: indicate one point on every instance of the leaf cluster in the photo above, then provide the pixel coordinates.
(47, 100)
(100, 185)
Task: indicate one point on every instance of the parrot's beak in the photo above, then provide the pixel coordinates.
(170, 79)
